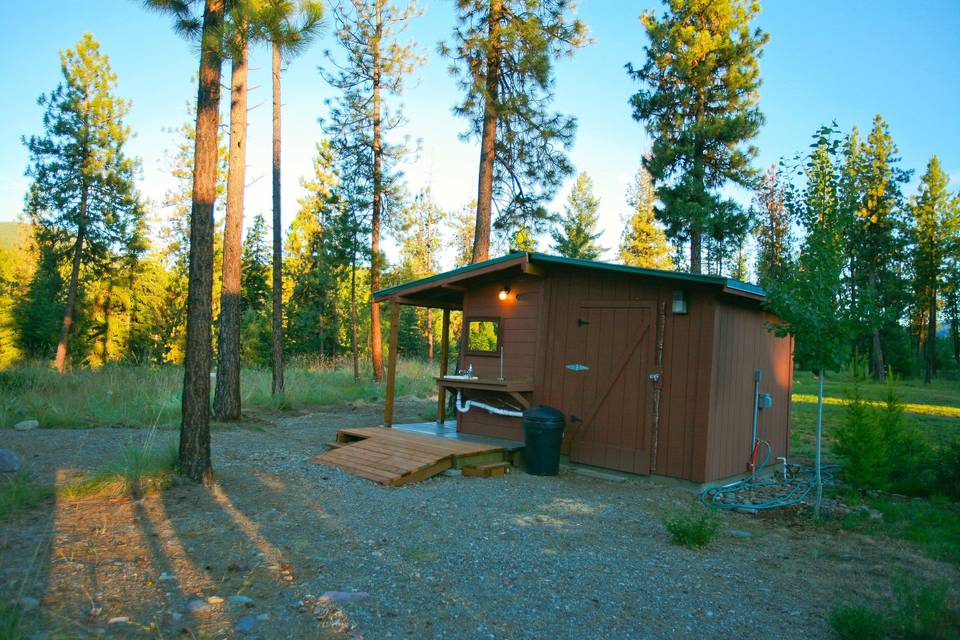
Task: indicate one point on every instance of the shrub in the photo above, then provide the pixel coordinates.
(694, 529)
(909, 465)
(861, 444)
(883, 449)
(856, 623)
(948, 469)
(922, 613)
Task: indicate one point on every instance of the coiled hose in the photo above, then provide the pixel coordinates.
(796, 487)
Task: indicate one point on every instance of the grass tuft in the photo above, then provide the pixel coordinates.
(694, 529)
(856, 623)
(11, 620)
(20, 494)
(144, 470)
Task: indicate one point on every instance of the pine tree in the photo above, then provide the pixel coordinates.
(643, 243)
(347, 227)
(523, 240)
(420, 247)
(376, 65)
(38, 312)
(699, 103)
(773, 230)
(726, 237)
(577, 235)
(173, 232)
(241, 28)
(876, 238)
(503, 52)
(17, 269)
(255, 295)
(194, 455)
(311, 323)
(936, 215)
(461, 227)
(289, 26)
(951, 295)
(82, 201)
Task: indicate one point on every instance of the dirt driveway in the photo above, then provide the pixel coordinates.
(286, 549)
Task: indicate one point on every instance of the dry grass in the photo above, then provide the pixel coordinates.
(137, 396)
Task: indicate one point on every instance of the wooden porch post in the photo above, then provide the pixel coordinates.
(391, 365)
(444, 355)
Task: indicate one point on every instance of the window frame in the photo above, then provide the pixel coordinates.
(466, 335)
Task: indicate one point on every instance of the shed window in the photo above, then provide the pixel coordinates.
(483, 335)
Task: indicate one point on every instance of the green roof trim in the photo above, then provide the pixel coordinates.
(679, 276)
(730, 283)
(446, 274)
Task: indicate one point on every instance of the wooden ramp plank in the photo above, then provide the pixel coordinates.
(395, 458)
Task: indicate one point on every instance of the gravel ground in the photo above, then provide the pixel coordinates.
(309, 551)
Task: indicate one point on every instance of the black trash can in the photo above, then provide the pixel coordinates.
(542, 435)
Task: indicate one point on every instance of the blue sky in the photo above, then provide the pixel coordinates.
(843, 61)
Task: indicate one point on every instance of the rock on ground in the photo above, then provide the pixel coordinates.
(27, 425)
(9, 461)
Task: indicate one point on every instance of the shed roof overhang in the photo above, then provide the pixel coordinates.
(445, 290)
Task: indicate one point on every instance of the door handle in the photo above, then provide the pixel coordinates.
(654, 377)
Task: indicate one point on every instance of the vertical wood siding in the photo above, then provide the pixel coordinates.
(626, 420)
(744, 345)
(519, 332)
(709, 356)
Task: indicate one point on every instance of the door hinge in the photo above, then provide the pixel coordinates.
(581, 322)
(576, 419)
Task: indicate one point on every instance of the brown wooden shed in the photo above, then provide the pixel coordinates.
(655, 371)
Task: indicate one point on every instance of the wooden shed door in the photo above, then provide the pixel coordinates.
(618, 346)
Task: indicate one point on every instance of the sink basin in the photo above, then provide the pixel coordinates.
(459, 377)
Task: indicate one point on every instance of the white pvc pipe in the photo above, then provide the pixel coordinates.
(463, 407)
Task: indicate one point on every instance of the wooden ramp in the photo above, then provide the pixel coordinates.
(392, 457)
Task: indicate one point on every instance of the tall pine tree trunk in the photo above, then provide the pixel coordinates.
(107, 304)
(353, 318)
(879, 367)
(429, 334)
(277, 233)
(699, 175)
(60, 360)
(488, 136)
(226, 398)
(376, 342)
(931, 343)
(955, 325)
(195, 422)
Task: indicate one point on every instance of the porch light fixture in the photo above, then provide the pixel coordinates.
(679, 305)
(504, 293)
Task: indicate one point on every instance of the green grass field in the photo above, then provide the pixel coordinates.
(146, 396)
(133, 396)
(934, 407)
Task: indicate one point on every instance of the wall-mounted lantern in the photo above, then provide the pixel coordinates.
(504, 293)
(679, 305)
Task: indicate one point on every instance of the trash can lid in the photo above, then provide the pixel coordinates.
(543, 413)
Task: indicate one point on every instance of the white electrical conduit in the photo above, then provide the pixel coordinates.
(463, 407)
